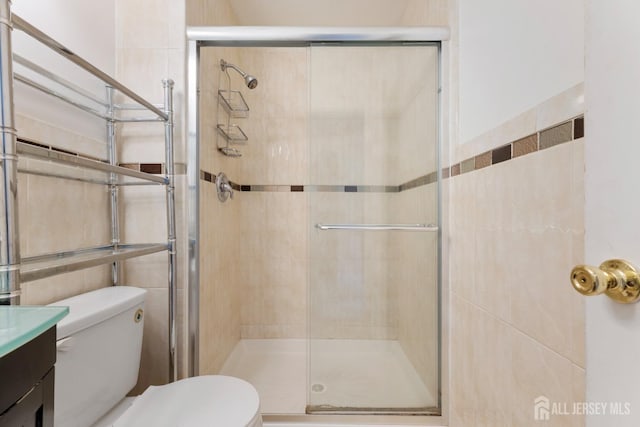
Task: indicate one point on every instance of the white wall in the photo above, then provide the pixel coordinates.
(87, 28)
(514, 55)
(611, 153)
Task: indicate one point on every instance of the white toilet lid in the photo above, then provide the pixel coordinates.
(212, 400)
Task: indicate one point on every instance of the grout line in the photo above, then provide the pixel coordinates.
(494, 316)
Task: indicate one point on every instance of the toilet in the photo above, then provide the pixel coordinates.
(98, 356)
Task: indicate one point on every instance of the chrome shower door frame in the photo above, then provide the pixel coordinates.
(241, 36)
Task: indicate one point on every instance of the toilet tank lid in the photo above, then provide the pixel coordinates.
(93, 307)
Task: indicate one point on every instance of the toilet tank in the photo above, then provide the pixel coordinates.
(98, 353)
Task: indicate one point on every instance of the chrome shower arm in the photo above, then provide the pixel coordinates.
(224, 65)
(249, 80)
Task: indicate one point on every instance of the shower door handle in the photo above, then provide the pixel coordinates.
(379, 227)
(616, 278)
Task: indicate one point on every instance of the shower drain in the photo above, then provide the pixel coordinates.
(317, 388)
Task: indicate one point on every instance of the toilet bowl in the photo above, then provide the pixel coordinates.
(212, 400)
(98, 357)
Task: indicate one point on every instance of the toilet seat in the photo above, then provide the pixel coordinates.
(211, 400)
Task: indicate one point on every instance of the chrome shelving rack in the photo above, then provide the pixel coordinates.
(37, 158)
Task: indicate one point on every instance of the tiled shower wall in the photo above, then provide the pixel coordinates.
(516, 229)
(273, 224)
(149, 48)
(413, 267)
(220, 293)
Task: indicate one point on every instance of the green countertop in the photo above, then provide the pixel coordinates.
(21, 324)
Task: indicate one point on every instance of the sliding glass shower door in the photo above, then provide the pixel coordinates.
(373, 233)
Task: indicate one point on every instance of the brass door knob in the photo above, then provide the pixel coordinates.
(616, 278)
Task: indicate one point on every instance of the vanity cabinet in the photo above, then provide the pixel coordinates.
(27, 373)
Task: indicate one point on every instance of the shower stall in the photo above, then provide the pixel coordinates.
(318, 280)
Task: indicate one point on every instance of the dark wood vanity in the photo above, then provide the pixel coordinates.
(27, 358)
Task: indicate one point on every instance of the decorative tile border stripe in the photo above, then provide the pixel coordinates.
(150, 168)
(423, 180)
(155, 168)
(60, 150)
(558, 134)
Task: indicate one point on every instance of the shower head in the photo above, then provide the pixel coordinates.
(249, 80)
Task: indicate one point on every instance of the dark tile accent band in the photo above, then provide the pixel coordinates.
(152, 168)
(61, 150)
(423, 180)
(501, 154)
(483, 160)
(555, 135)
(578, 128)
(36, 144)
(526, 145)
(558, 134)
(468, 165)
(155, 168)
(324, 188)
(418, 182)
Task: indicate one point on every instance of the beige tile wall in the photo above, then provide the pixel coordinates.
(427, 13)
(413, 273)
(264, 248)
(413, 263)
(150, 47)
(370, 129)
(278, 122)
(517, 325)
(273, 270)
(349, 271)
(219, 222)
(58, 214)
(220, 272)
(220, 295)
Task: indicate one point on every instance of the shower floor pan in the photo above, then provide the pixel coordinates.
(348, 377)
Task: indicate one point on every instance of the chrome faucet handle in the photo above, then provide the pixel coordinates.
(226, 187)
(225, 190)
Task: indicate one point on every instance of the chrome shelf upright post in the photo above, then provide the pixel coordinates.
(112, 154)
(9, 237)
(171, 225)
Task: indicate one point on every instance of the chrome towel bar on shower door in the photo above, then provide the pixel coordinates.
(379, 227)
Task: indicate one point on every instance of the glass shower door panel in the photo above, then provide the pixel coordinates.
(373, 292)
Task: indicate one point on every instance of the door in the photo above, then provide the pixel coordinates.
(373, 236)
(612, 150)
